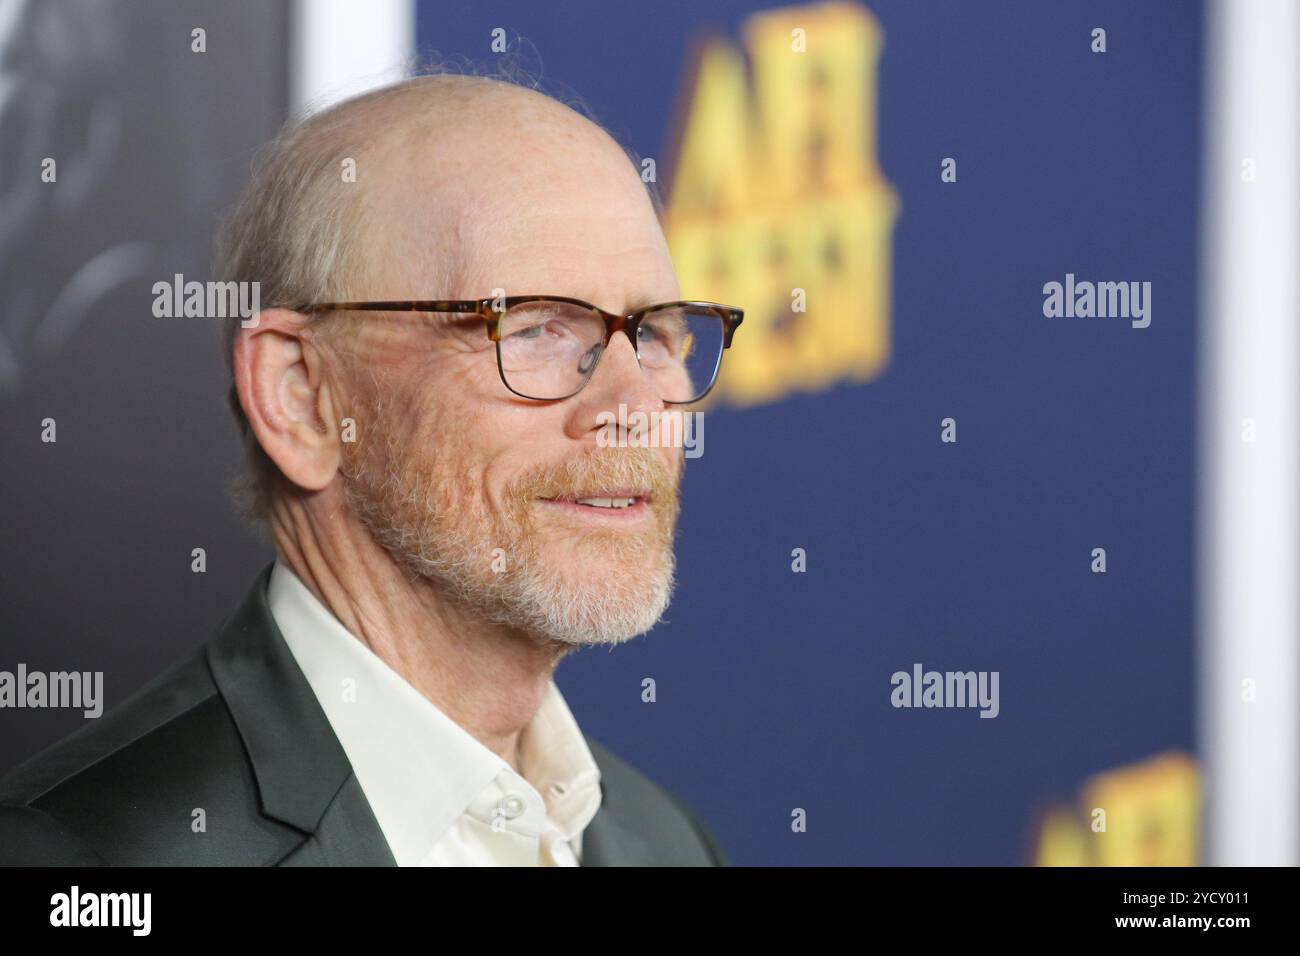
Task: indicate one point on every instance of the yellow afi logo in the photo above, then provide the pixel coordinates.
(778, 203)
(1142, 814)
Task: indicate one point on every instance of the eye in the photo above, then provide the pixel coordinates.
(529, 323)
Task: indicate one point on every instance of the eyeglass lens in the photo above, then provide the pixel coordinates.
(548, 350)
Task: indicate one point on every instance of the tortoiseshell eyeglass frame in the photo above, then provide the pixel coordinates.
(493, 310)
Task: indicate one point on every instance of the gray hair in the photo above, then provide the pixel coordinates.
(299, 236)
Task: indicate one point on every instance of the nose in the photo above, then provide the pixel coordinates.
(618, 381)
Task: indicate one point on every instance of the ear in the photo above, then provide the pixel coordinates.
(279, 376)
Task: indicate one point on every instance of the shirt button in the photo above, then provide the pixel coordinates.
(511, 806)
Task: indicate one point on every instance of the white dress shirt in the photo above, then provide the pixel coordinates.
(440, 796)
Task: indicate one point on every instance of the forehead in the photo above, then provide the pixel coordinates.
(613, 262)
(542, 209)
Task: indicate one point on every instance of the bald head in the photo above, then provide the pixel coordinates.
(467, 184)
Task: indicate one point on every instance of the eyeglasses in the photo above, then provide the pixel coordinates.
(548, 346)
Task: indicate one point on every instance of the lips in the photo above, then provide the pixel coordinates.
(611, 500)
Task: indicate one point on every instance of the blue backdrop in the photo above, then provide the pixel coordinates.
(773, 688)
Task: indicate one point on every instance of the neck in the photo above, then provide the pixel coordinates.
(488, 678)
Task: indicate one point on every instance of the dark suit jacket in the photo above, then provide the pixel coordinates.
(236, 730)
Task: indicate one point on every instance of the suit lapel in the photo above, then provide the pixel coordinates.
(303, 775)
(608, 842)
(346, 835)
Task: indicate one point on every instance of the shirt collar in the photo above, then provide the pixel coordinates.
(419, 769)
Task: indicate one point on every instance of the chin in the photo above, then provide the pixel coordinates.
(606, 604)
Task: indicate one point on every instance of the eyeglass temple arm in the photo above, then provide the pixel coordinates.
(412, 305)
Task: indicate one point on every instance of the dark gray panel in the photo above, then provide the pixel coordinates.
(153, 141)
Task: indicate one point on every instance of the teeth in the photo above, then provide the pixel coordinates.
(607, 502)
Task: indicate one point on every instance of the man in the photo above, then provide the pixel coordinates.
(430, 451)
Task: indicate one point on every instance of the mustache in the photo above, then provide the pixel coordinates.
(638, 469)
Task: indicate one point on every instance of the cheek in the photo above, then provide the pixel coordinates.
(515, 442)
(470, 377)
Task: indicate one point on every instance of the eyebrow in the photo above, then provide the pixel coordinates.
(641, 302)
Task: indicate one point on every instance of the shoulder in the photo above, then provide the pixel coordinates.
(656, 814)
(126, 787)
(143, 720)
